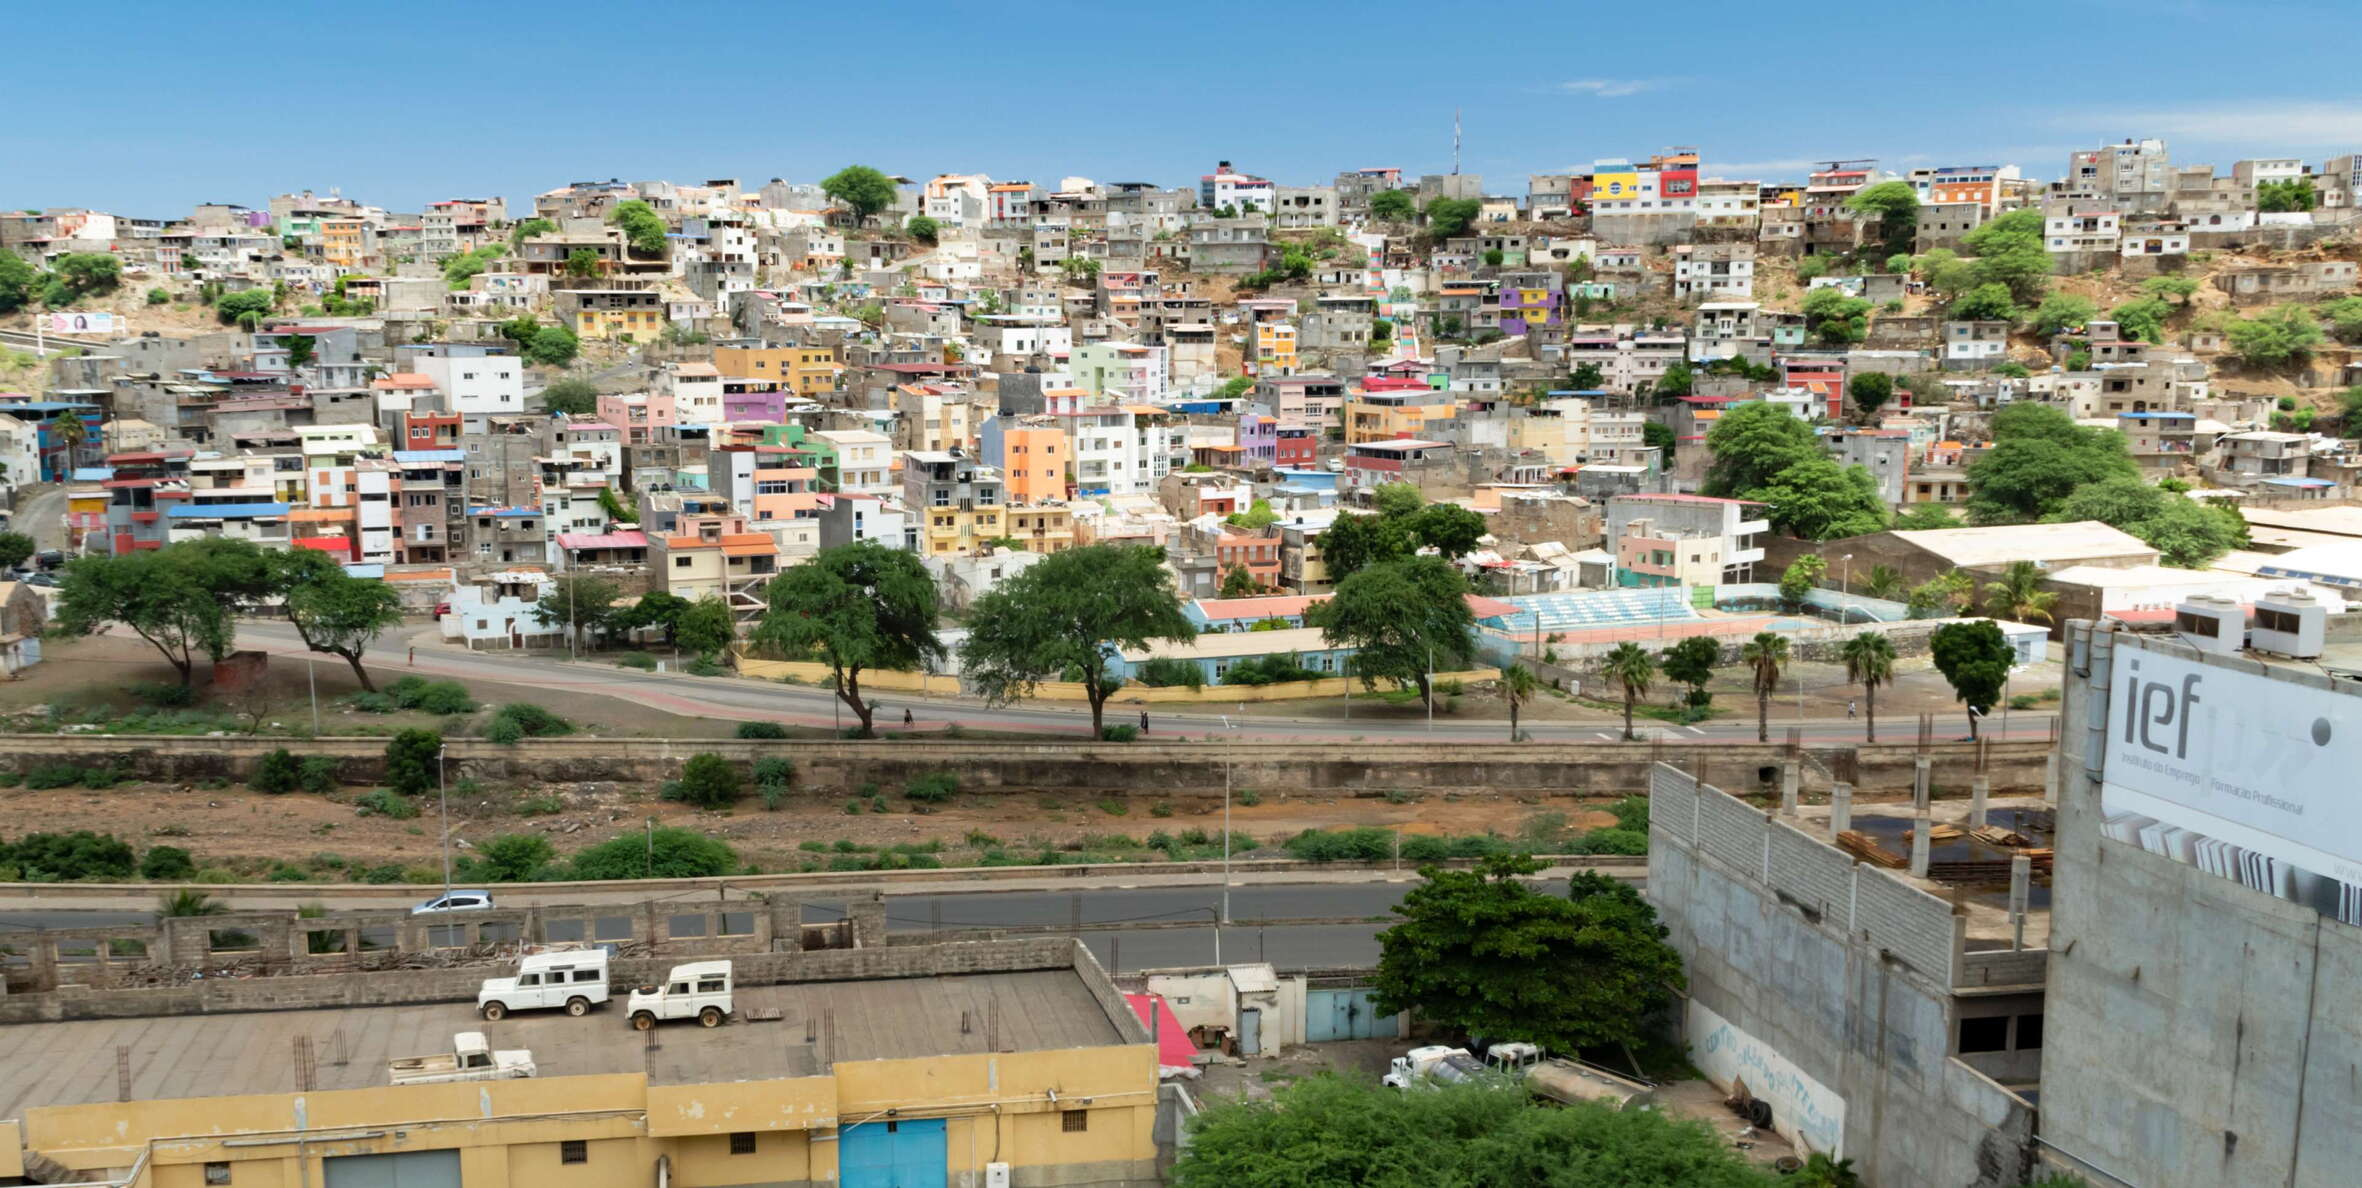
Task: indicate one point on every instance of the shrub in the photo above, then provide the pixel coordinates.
(283, 873)
(774, 769)
(708, 781)
(932, 788)
(505, 731)
(1269, 670)
(542, 805)
(60, 857)
(703, 666)
(165, 695)
(1121, 732)
(1631, 814)
(100, 777)
(433, 697)
(382, 802)
(764, 730)
(1166, 672)
(1162, 808)
(853, 808)
(535, 721)
(166, 862)
(372, 703)
(317, 774)
(1341, 845)
(53, 775)
(1114, 808)
(773, 796)
(1249, 797)
(677, 854)
(390, 872)
(511, 858)
(413, 762)
(1612, 841)
(639, 660)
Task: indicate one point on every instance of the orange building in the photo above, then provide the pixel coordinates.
(1034, 460)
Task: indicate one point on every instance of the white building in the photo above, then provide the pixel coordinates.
(696, 389)
(497, 611)
(477, 386)
(865, 460)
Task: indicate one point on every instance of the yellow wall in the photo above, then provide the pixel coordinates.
(611, 323)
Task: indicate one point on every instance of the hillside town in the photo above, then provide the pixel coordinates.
(1852, 655)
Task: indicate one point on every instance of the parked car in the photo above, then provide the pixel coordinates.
(575, 979)
(470, 1059)
(455, 901)
(42, 579)
(699, 990)
(50, 558)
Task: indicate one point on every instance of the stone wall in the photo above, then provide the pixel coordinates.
(1196, 769)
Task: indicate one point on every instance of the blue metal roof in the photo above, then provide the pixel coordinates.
(2172, 416)
(2307, 483)
(93, 474)
(430, 455)
(225, 511)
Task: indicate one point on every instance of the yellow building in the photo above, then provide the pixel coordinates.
(1041, 527)
(1275, 348)
(848, 1068)
(1386, 416)
(345, 242)
(635, 315)
(961, 502)
(808, 371)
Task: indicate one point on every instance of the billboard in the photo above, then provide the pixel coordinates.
(2238, 774)
(81, 323)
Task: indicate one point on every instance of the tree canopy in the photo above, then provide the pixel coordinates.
(2039, 457)
(1870, 391)
(570, 396)
(642, 227)
(333, 611)
(1975, 658)
(1062, 618)
(87, 274)
(2276, 336)
(183, 599)
(1764, 452)
(2287, 194)
(2186, 532)
(19, 282)
(1895, 204)
(855, 607)
(2063, 311)
(861, 189)
(1449, 217)
(1393, 205)
(1483, 952)
(1834, 317)
(1405, 619)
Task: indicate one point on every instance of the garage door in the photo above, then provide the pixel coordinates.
(1345, 1015)
(906, 1153)
(402, 1169)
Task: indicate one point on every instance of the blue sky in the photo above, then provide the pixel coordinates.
(401, 104)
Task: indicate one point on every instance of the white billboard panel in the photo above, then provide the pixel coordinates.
(2255, 779)
(61, 322)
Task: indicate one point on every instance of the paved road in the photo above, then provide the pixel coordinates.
(41, 514)
(737, 699)
(1157, 942)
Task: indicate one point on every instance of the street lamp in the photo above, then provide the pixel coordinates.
(1845, 575)
(443, 795)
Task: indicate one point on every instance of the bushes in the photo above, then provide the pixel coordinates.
(413, 761)
(433, 697)
(677, 854)
(532, 721)
(510, 858)
(773, 777)
(1269, 670)
(1121, 732)
(1611, 841)
(933, 788)
(317, 773)
(166, 863)
(505, 731)
(380, 802)
(53, 775)
(763, 730)
(708, 781)
(639, 660)
(276, 773)
(1371, 844)
(62, 857)
(1165, 672)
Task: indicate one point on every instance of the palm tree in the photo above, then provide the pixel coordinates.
(1767, 654)
(1517, 687)
(1885, 581)
(188, 901)
(1958, 588)
(1869, 662)
(2018, 596)
(1631, 666)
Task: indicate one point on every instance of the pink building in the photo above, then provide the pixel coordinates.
(640, 414)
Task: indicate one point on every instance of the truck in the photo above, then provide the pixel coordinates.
(573, 979)
(1567, 1081)
(1435, 1064)
(699, 990)
(470, 1059)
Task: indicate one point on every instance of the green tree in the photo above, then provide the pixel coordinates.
(19, 281)
(1870, 391)
(656, 608)
(709, 782)
(2290, 194)
(614, 508)
(863, 606)
(1328, 1132)
(1659, 436)
(664, 853)
(1394, 206)
(1925, 517)
(923, 229)
(579, 604)
(1883, 581)
(15, 549)
(2039, 457)
(413, 762)
(1068, 613)
(1448, 528)
(1676, 382)
(1396, 499)
(2274, 337)
(183, 599)
(1448, 218)
(1354, 542)
(1518, 685)
(2184, 531)
(552, 346)
(1835, 318)
(1989, 302)
(1238, 583)
(1257, 517)
(1691, 662)
(642, 227)
(860, 189)
(332, 611)
(1975, 658)
(1896, 207)
(1235, 387)
(583, 264)
(1631, 667)
(1482, 952)
(1405, 620)
(1766, 655)
(88, 274)
(1493, 257)
(1753, 442)
(235, 309)
(1586, 377)
(2177, 287)
(2143, 319)
(705, 626)
(1869, 662)
(1801, 576)
(511, 858)
(300, 350)
(2063, 311)
(529, 228)
(1817, 499)
(570, 397)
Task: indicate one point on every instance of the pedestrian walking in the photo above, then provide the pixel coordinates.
(1143, 721)
(906, 719)
(1849, 708)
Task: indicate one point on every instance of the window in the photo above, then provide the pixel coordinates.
(2029, 1031)
(574, 1151)
(1074, 1121)
(1984, 1035)
(680, 563)
(742, 1142)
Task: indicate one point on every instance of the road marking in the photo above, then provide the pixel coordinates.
(1693, 730)
(1609, 737)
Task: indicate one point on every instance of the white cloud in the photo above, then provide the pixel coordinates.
(2262, 123)
(1609, 88)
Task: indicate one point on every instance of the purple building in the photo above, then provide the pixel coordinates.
(754, 400)
(1258, 438)
(1531, 300)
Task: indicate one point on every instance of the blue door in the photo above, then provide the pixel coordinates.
(894, 1153)
(1344, 1015)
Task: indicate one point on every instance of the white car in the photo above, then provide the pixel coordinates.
(455, 901)
(699, 990)
(574, 979)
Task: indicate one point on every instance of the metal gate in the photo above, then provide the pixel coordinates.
(399, 1169)
(898, 1153)
(1345, 1015)
(1250, 1032)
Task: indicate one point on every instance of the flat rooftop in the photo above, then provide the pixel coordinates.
(73, 1063)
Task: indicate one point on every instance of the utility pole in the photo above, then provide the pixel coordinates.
(1431, 688)
(311, 675)
(443, 794)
